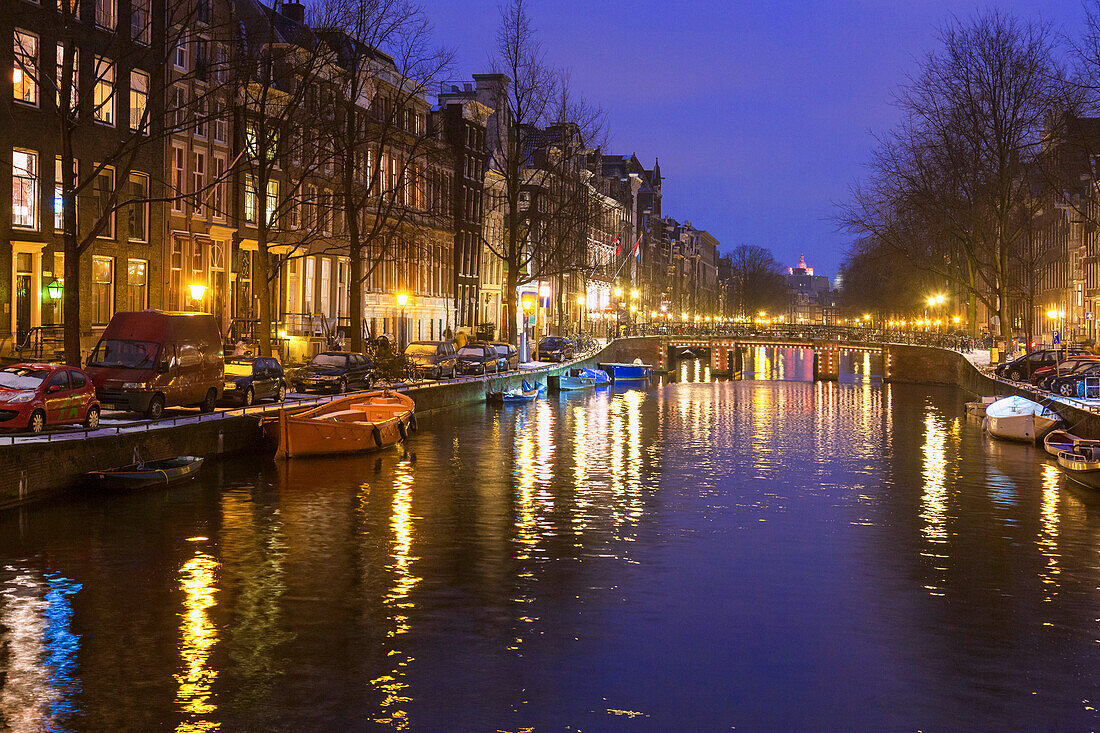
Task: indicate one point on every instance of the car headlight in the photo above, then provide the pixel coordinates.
(229, 385)
(22, 397)
(134, 385)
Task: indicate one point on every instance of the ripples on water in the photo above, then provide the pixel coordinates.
(695, 556)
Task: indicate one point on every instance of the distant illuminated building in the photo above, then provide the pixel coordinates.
(809, 297)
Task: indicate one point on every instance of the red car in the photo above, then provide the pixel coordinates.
(33, 396)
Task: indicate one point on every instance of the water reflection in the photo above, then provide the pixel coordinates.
(553, 565)
(197, 638)
(37, 685)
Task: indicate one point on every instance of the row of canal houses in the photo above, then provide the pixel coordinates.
(197, 135)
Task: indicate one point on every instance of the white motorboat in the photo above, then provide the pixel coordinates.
(1018, 418)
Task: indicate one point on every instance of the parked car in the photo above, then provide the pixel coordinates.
(556, 348)
(1066, 384)
(335, 371)
(507, 356)
(147, 360)
(434, 359)
(252, 378)
(477, 357)
(1043, 375)
(1017, 370)
(34, 396)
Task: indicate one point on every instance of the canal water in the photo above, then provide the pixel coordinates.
(693, 556)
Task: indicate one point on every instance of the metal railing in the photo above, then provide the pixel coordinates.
(954, 341)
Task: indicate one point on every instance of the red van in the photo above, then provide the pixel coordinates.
(149, 359)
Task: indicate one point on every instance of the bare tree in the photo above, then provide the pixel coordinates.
(538, 144)
(391, 188)
(756, 281)
(953, 185)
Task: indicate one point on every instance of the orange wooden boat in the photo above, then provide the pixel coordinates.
(358, 423)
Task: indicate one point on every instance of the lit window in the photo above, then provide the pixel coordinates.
(250, 200)
(136, 285)
(103, 289)
(272, 200)
(139, 97)
(24, 189)
(217, 200)
(25, 71)
(198, 182)
(73, 77)
(106, 14)
(177, 179)
(103, 96)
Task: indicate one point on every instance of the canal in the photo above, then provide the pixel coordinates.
(694, 556)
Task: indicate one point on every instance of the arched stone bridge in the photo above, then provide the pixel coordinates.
(899, 362)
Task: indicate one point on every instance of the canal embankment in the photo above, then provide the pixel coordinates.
(38, 467)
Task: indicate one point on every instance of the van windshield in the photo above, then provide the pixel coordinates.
(124, 354)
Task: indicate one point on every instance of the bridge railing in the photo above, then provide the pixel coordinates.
(955, 341)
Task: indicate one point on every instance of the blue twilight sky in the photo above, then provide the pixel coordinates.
(760, 112)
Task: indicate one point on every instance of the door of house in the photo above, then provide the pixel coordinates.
(24, 292)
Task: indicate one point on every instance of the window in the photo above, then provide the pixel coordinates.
(178, 110)
(59, 194)
(250, 199)
(220, 124)
(200, 115)
(139, 97)
(106, 14)
(179, 58)
(103, 286)
(217, 198)
(25, 72)
(141, 27)
(326, 213)
(74, 78)
(343, 268)
(24, 189)
(175, 274)
(137, 296)
(103, 190)
(326, 285)
(293, 286)
(78, 380)
(137, 210)
(198, 182)
(272, 200)
(202, 61)
(178, 165)
(307, 300)
(103, 97)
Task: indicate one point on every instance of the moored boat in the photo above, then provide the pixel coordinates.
(978, 407)
(529, 391)
(144, 474)
(1057, 441)
(621, 372)
(599, 375)
(1018, 418)
(575, 381)
(1082, 465)
(355, 424)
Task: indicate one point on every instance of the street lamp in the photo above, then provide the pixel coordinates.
(197, 291)
(580, 312)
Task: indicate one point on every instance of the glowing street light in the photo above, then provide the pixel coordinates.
(197, 291)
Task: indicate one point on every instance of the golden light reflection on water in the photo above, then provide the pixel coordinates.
(934, 497)
(25, 693)
(394, 685)
(1048, 533)
(197, 638)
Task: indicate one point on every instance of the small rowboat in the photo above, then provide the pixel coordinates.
(978, 407)
(1081, 465)
(600, 377)
(526, 393)
(150, 473)
(575, 381)
(355, 424)
(1018, 418)
(1058, 441)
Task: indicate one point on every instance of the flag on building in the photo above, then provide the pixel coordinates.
(618, 247)
(635, 251)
